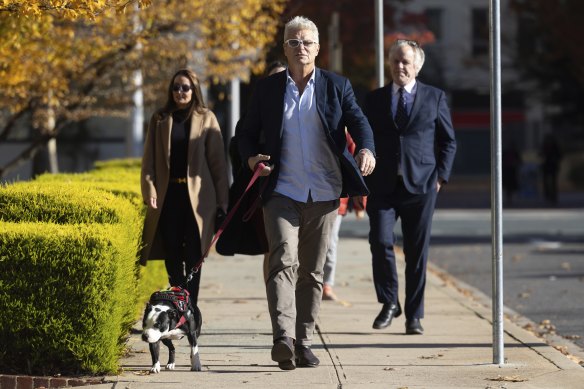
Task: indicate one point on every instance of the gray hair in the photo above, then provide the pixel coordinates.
(300, 23)
(419, 55)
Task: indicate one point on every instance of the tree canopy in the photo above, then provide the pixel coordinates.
(78, 57)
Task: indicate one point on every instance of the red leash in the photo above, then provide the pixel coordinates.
(259, 167)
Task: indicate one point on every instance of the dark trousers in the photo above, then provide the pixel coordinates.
(181, 238)
(415, 212)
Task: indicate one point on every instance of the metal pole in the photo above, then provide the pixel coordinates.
(234, 114)
(496, 176)
(379, 43)
(134, 134)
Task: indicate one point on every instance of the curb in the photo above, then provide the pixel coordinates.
(30, 382)
(563, 353)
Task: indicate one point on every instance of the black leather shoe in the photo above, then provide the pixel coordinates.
(287, 365)
(388, 312)
(283, 351)
(305, 357)
(414, 327)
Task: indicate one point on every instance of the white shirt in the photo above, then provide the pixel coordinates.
(307, 164)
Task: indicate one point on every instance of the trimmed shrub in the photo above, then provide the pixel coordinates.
(68, 276)
(122, 183)
(70, 291)
(122, 163)
(61, 203)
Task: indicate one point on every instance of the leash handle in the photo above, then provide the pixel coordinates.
(259, 167)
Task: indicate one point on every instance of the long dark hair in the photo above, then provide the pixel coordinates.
(197, 103)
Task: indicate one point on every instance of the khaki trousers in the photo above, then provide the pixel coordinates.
(298, 237)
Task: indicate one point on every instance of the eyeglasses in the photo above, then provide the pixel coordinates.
(183, 88)
(407, 42)
(297, 42)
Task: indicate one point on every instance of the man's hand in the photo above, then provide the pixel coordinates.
(366, 161)
(253, 161)
(439, 183)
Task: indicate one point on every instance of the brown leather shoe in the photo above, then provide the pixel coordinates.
(305, 357)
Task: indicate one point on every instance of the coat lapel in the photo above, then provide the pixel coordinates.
(165, 128)
(282, 80)
(320, 91)
(420, 96)
(387, 104)
(195, 132)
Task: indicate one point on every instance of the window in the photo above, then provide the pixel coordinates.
(480, 31)
(434, 22)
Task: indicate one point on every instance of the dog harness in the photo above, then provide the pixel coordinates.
(179, 298)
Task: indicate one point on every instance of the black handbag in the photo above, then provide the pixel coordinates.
(245, 233)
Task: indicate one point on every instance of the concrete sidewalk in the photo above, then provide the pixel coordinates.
(455, 350)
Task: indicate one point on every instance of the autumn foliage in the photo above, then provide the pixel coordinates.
(78, 57)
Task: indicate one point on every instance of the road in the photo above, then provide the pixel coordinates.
(543, 260)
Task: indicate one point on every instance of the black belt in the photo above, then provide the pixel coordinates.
(181, 180)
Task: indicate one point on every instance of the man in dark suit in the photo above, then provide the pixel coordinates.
(299, 116)
(415, 146)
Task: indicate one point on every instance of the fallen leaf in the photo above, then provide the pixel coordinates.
(513, 378)
(566, 266)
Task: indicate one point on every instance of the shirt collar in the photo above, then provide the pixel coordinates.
(409, 87)
(310, 81)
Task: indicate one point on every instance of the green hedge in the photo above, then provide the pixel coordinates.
(124, 183)
(70, 291)
(61, 203)
(68, 270)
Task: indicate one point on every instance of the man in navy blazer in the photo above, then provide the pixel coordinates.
(415, 146)
(300, 116)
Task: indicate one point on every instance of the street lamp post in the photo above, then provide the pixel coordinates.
(496, 182)
(379, 70)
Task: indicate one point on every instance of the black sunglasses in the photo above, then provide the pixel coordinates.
(183, 88)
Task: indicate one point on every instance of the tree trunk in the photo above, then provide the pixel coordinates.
(45, 160)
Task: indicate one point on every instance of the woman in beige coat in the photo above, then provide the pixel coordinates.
(184, 181)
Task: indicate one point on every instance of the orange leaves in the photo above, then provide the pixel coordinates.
(82, 52)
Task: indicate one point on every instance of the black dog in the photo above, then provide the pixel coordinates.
(170, 315)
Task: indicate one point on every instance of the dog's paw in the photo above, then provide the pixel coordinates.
(155, 368)
(196, 363)
(170, 366)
